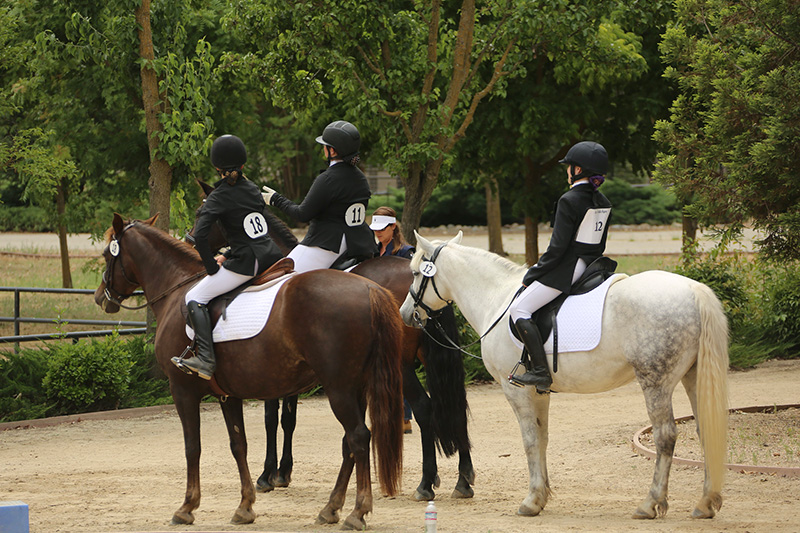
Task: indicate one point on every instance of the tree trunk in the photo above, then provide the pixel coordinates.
(531, 241)
(419, 186)
(494, 221)
(532, 179)
(689, 233)
(160, 181)
(61, 208)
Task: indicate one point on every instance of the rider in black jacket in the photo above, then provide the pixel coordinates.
(580, 229)
(335, 206)
(236, 203)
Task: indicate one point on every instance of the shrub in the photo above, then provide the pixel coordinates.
(88, 376)
(641, 205)
(21, 394)
(781, 304)
(24, 219)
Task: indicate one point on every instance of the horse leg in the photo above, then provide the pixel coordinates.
(264, 483)
(659, 408)
(283, 476)
(234, 420)
(421, 407)
(188, 406)
(466, 475)
(532, 412)
(330, 513)
(706, 507)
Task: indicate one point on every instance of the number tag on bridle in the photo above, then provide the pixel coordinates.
(113, 247)
(428, 269)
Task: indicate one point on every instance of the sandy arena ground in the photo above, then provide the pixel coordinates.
(129, 474)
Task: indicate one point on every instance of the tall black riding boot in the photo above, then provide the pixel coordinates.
(204, 363)
(538, 373)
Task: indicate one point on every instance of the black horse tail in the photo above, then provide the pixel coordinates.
(385, 389)
(444, 370)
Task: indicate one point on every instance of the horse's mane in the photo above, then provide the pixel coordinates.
(279, 231)
(182, 248)
(506, 264)
(509, 266)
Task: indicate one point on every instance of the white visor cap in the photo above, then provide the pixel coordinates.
(380, 222)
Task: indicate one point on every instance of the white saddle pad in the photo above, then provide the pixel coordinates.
(247, 314)
(579, 320)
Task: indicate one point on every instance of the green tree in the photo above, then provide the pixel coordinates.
(597, 77)
(410, 74)
(730, 143)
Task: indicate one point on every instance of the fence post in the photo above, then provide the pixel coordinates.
(16, 320)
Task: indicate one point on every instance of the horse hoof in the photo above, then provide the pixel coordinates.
(181, 518)
(424, 495)
(243, 516)
(462, 493)
(524, 510)
(279, 481)
(264, 487)
(327, 517)
(354, 523)
(641, 514)
(697, 513)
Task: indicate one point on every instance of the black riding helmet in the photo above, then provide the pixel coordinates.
(228, 152)
(342, 137)
(590, 156)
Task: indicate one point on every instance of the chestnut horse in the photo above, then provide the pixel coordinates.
(326, 327)
(441, 417)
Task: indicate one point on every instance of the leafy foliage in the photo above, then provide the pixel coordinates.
(641, 205)
(731, 139)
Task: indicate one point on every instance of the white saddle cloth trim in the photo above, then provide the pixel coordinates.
(579, 320)
(247, 314)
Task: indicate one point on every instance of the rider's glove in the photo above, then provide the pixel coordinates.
(267, 194)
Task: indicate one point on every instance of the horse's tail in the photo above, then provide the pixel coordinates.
(385, 389)
(444, 370)
(712, 389)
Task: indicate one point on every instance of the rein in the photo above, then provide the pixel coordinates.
(114, 250)
(428, 269)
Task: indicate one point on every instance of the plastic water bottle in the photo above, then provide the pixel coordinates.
(430, 518)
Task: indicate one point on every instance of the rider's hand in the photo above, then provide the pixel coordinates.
(220, 259)
(267, 194)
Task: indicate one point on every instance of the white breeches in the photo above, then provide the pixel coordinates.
(536, 295)
(307, 258)
(212, 286)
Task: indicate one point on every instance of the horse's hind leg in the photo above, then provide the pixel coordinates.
(263, 484)
(234, 420)
(466, 476)
(659, 409)
(705, 508)
(330, 513)
(288, 423)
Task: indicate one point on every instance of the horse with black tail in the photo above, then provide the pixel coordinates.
(441, 413)
(348, 341)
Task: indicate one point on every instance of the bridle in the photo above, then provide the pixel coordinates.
(115, 297)
(428, 271)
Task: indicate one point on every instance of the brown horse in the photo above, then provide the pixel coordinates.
(441, 417)
(326, 327)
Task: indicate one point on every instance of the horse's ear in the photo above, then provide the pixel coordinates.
(457, 238)
(423, 243)
(152, 220)
(205, 186)
(118, 224)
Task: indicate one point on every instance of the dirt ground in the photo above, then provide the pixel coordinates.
(129, 474)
